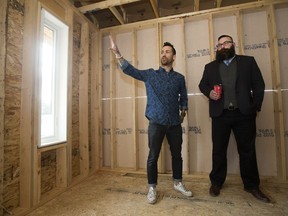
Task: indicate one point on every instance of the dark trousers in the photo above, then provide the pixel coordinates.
(244, 129)
(156, 134)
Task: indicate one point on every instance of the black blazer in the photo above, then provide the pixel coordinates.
(250, 86)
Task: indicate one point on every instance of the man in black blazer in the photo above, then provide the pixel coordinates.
(233, 108)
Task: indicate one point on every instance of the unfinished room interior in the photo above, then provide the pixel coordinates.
(73, 131)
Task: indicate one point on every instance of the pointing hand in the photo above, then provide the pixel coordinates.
(114, 48)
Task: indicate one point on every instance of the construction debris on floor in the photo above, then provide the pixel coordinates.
(117, 193)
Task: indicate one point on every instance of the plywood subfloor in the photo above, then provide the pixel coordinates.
(116, 193)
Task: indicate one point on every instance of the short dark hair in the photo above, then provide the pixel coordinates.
(225, 36)
(169, 44)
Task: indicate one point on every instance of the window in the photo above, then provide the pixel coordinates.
(53, 79)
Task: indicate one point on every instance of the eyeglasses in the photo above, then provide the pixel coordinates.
(225, 43)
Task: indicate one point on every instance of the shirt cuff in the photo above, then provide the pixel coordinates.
(183, 108)
(124, 64)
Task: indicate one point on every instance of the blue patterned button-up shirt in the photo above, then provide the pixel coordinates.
(166, 93)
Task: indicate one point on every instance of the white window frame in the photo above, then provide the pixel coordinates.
(60, 74)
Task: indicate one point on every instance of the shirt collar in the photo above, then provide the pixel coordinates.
(163, 70)
(228, 61)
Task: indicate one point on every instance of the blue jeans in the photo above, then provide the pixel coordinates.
(156, 134)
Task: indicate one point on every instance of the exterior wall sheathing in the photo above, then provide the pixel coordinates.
(31, 175)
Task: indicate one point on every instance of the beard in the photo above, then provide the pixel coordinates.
(166, 62)
(225, 54)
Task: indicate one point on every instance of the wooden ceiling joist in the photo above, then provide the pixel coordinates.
(104, 4)
(117, 15)
(218, 3)
(93, 18)
(196, 5)
(154, 7)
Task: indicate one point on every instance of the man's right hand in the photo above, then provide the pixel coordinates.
(182, 115)
(214, 95)
(114, 48)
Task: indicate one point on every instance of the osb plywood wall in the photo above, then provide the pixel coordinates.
(192, 38)
(51, 169)
(90, 80)
(48, 171)
(12, 104)
(75, 99)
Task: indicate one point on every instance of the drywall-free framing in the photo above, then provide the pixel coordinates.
(39, 174)
(254, 27)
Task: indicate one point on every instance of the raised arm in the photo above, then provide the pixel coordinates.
(114, 48)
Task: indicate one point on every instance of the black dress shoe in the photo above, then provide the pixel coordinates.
(214, 190)
(257, 193)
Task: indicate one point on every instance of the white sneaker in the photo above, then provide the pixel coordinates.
(182, 189)
(152, 195)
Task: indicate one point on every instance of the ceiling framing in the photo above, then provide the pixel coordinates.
(119, 12)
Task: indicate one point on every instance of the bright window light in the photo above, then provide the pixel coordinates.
(53, 80)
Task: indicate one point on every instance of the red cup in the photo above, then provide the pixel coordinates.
(218, 89)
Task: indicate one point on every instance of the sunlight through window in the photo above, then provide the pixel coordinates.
(53, 84)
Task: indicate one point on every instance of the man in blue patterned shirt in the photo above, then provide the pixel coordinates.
(166, 97)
